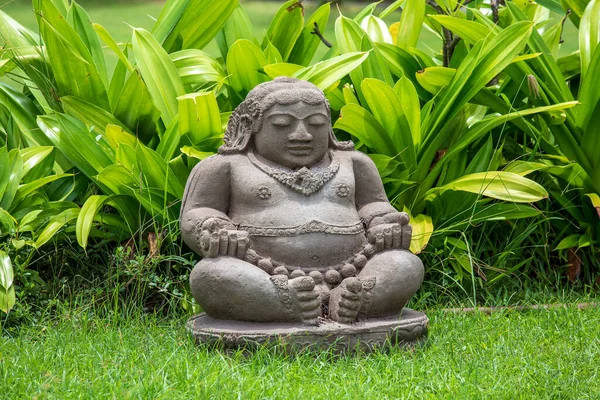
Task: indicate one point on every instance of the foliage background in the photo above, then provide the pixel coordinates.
(478, 235)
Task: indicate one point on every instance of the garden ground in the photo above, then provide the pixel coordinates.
(84, 352)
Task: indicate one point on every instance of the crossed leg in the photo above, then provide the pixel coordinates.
(382, 288)
(229, 288)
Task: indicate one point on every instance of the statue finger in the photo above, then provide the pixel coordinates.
(232, 244)
(213, 250)
(397, 237)
(379, 243)
(223, 243)
(242, 246)
(406, 236)
(204, 241)
(401, 218)
(387, 238)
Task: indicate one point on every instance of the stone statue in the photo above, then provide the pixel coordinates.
(292, 224)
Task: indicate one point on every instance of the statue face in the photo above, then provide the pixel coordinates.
(294, 135)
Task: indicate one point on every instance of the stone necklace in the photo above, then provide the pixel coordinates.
(303, 180)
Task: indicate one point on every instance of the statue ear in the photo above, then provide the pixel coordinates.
(239, 129)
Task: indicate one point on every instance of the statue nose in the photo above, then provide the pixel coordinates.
(301, 133)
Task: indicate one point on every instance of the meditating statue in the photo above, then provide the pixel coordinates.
(292, 224)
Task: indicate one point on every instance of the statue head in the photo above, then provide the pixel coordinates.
(288, 119)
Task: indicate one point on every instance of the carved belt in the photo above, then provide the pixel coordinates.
(309, 227)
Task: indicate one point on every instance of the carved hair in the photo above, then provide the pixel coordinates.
(246, 119)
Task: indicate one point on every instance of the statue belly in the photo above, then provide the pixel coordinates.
(310, 251)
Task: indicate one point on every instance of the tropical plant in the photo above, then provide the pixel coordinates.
(443, 129)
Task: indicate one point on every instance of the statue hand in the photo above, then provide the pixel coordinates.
(226, 242)
(390, 236)
(400, 218)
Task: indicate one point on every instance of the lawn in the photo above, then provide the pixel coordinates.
(508, 355)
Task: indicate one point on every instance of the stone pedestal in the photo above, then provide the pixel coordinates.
(410, 327)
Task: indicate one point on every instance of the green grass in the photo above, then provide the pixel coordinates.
(509, 354)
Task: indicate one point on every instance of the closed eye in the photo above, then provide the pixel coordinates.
(317, 120)
(282, 120)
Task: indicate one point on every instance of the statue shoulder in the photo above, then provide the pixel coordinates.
(361, 161)
(215, 165)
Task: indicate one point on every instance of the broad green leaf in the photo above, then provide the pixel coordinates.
(351, 38)
(498, 185)
(7, 290)
(272, 54)
(595, 199)
(326, 73)
(199, 24)
(589, 34)
(86, 216)
(156, 172)
(82, 24)
(28, 188)
(285, 28)
(376, 29)
(434, 79)
(197, 67)
(422, 231)
(411, 22)
(569, 242)
(362, 124)
(238, 26)
(34, 157)
(72, 64)
(409, 99)
(110, 42)
(24, 111)
(402, 63)
(6, 271)
(479, 129)
(55, 224)
(391, 8)
(8, 224)
(388, 111)
(282, 69)
(470, 31)
(116, 136)
(199, 117)
(159, 73)
(73, 139)
(245, 62)
(195, 153)
(366, 11)
(169, 142)
(94, 117)
(136, 109)
(170, 15)
(10, 178)
(306, 46)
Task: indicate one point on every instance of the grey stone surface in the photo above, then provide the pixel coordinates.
(293, 225)
(408, 329)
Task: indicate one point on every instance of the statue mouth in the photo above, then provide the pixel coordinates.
(300, 150)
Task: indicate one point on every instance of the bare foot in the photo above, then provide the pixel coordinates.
(299, 298)
(346, 300)
(308, 300)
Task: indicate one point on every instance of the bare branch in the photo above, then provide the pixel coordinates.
(317, 31)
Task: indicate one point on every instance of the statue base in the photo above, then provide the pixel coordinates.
(406, 329)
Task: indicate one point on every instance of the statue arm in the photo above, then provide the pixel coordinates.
(206, 199)
(371, 200)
